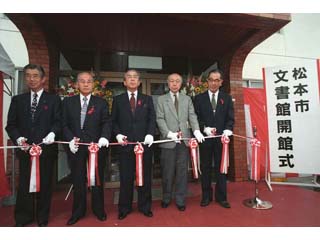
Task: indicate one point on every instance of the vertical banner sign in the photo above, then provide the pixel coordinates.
(293, 113)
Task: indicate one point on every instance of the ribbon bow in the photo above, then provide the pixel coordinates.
(255, 164)
(225, 154)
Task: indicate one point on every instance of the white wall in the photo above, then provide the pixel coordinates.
(300, 39)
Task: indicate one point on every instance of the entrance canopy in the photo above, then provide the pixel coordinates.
(180, 39)
(6, 65)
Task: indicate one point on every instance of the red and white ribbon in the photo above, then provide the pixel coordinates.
(138, 150)
(93, 171)
(255, 163)
(35, 153)
(193, 145)
(225, 155)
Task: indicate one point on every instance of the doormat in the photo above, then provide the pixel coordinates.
(156, 195)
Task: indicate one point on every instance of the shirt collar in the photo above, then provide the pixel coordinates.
(135, 94)
(82, 96)
(172, 94)
(215, 94)
(39, 93)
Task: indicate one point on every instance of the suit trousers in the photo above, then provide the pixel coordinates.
(212, 148)
(78, 165)
(174, 168)
(26, 202)
(127, 176)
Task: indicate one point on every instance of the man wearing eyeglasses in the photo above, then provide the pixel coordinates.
(214, 109)
(175, 114)
(134, 120)
(34, 117)
(86, 117)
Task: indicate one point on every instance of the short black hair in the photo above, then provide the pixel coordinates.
(216, 71)
(34, 66)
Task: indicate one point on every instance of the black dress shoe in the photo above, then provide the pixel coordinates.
(43, 224)
(122, 215)
(148, 213)
(73, 220)
(181, 207)
(205, 202)
(102, 217)
(164, 204)
(224, 204)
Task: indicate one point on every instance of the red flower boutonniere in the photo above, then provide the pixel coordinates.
(221, 101)
(139, 103)
(45, 107)
(91, 110)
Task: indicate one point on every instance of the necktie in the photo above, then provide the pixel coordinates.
(213, 103)
(132, 103)
(83, 111)
(34, 105)
(176, 103)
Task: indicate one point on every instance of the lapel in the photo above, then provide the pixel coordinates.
(91, 108)
(207, 103)
(126, 103)
(27, 107)
(41, 105)
(170, 105)
(219, 103)
(139, 104)
(75, 106)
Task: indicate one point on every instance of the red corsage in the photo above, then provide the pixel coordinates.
(45, 107)
(139, 103)
(91, 110)
(221, 101)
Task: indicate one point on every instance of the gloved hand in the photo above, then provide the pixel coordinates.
(209, 131)
(227, 132)
(74, 147)
(103, 142)
(49, 139)
(121, 139)
(174, 136)
(148, 140)
(200, 138)
(21, 141)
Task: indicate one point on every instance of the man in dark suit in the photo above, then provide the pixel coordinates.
(214, 109)
(86, 117)
(34, 117)
(133, 119)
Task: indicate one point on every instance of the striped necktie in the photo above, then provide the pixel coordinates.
(34, 106)
(83, 111)
(213, 103)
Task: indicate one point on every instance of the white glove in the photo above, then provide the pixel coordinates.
(103, 142)
(200, 138)
(21, 141)
(121, 138)
(74, 147)
(227, 132)
(209, 131)
(148, 140)
(49, 139)
(173, 136)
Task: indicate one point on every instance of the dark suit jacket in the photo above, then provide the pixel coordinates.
(47, 117)
(97, 122)
(135, 126)
(223, 117)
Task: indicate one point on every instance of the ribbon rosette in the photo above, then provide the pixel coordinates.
(255, 164)
(138, 150)
(193, 145)
(93, 173)
(35, 153)
(225, 155)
